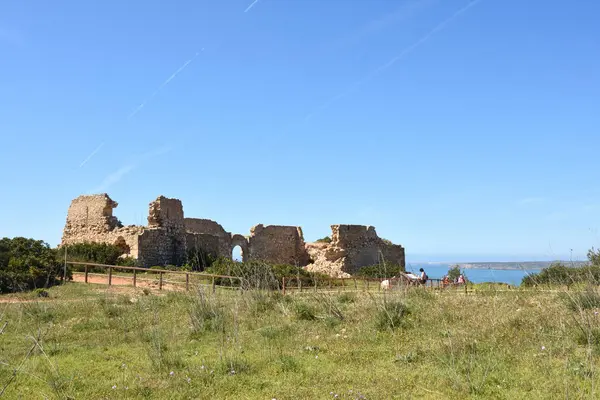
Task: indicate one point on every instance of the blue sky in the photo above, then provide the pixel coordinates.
(463, 132)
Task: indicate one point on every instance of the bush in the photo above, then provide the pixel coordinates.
(391, 315)
(559, 274)
(379, 271)
(260, 275)
(326, 239)
(584, 300)
(27, 264)
(198, 259)
(92, 252)
(453, 273)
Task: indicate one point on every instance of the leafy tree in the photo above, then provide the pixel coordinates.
(326, 239)
(454, 272)
(28, 264)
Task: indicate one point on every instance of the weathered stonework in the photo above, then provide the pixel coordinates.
(169, 235)
(278, 244)
(352, 247)
(209, 227)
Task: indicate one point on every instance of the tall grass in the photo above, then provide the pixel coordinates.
(261, 344)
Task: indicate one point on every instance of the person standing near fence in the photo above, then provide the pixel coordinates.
(423, 277)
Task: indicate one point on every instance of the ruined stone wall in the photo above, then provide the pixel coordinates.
(169, 235)
(166, 213)
(202, 241)
(90, 219)
(352, 247)
(164, 241)
(207, 226)
(277, 244)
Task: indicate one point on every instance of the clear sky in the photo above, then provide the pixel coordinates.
(461, 132)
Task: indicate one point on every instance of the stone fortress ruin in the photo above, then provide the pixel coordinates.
(169, 234)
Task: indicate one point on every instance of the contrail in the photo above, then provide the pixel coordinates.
(403, 53)
(165, 83)
(91, 155)
(251, 5)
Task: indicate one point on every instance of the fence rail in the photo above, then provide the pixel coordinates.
(286, 284)
(160, 272)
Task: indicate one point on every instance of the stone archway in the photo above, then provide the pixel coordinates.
(239, 240)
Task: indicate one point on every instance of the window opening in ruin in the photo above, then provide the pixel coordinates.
(237, 254)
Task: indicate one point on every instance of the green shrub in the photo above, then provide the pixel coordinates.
(559, 274)
(261, 275)
(198, 259)
(584, 300)
(27, 264)
(326, 239)
(305, 312)
(391, 315)
(378, 271)
(101, 253)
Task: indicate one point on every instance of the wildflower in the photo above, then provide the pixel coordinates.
(316, 356)
(232, 372)
(126, 387)
(202, 367)
(171, 373)
(189, 379)
(595, 312)
(123, 365)
(543, 348)
(114, 387)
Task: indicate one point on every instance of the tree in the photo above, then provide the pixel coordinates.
(594, 256)
(27, 264)
(454, 272)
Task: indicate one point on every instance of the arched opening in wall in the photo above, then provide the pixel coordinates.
(122, 245)
(237, 254)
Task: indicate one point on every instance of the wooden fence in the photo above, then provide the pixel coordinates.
(287, 284)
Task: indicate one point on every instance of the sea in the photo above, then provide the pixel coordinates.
(475, 275)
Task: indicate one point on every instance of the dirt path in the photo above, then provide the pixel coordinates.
(117, 280)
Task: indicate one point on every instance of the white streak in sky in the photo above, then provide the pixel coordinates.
(251, 5)
(165, 83)
(117, 175)
(403, 53)
(93, 153)
(113, 178)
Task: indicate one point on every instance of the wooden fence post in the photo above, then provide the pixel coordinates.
(355, 286)
(134, 278)
(160, 281)
(109, 276)
(283, 284)
(214, 289)
(86, 274)
(187, 281)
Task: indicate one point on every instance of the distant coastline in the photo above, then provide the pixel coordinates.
(523, 265)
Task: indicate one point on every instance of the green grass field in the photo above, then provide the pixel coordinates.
(90, 342)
